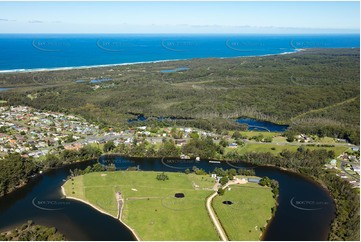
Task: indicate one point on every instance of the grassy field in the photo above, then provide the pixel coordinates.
(150, 206)
(155, 214)
(250, 134)
(277, 148)
(251, 208)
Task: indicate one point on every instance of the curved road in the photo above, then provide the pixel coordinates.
(344, 170)
(214, 218)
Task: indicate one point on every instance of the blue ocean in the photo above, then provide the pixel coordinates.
(24, 52)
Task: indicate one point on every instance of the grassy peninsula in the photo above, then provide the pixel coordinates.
(150, 204)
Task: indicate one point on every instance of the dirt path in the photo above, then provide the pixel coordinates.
(120, 202)
(214, 218)
(324, 108)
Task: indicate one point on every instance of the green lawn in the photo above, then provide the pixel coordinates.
(279, 139)
(326, 140)
(151, 210)
(155, 214)
(251, 207)
(250, 134)
(276, 149)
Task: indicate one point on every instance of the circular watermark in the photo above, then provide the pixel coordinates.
(232, 81)
(308, 205)
(39, 80)
(114, 45)
(118, 162)
(168, 80)
(51, 45)
(308, 81)
(302, 44)
(50, 205)
(243, 45)
(179, 164)
(179, 45)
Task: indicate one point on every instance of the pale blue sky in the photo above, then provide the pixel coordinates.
(179, 17)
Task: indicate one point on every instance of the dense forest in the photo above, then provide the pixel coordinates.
(16, 170)
(31, 232)
(316, 90)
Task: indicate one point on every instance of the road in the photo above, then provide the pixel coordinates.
(344, 170)
(214, 218)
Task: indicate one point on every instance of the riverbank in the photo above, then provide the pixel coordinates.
(281, 228)
(153, 205)
(102, 211)
(32, 232)
(248, 211)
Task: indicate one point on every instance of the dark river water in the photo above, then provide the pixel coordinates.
(304, 213)
(258, 125)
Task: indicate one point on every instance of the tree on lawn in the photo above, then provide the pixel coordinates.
(162, 177)
(223, 180)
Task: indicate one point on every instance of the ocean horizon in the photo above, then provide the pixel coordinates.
(43, 52)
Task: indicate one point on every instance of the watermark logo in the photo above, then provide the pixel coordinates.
(118, 162)
(179, 45)
(39, 80)
(114, 45)
(179, 164)
(308, 205)
(308, 81)
(50, 45)
(244, 46)
(301, 44)
(50, 205)
(168, 80)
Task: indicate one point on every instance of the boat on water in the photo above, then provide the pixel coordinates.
(214, 161)
(184, 157)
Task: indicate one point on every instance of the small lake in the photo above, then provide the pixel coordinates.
(257, 125)
(3, 89)
(94, 81)
(175, 70)
(304, 213)
(100, 80)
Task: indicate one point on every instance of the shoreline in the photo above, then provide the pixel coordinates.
(103, 212)
(33, 70)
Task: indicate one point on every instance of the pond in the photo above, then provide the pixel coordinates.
(254, 124)
(175, 70)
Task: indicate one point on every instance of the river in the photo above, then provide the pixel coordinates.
(304, 213)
